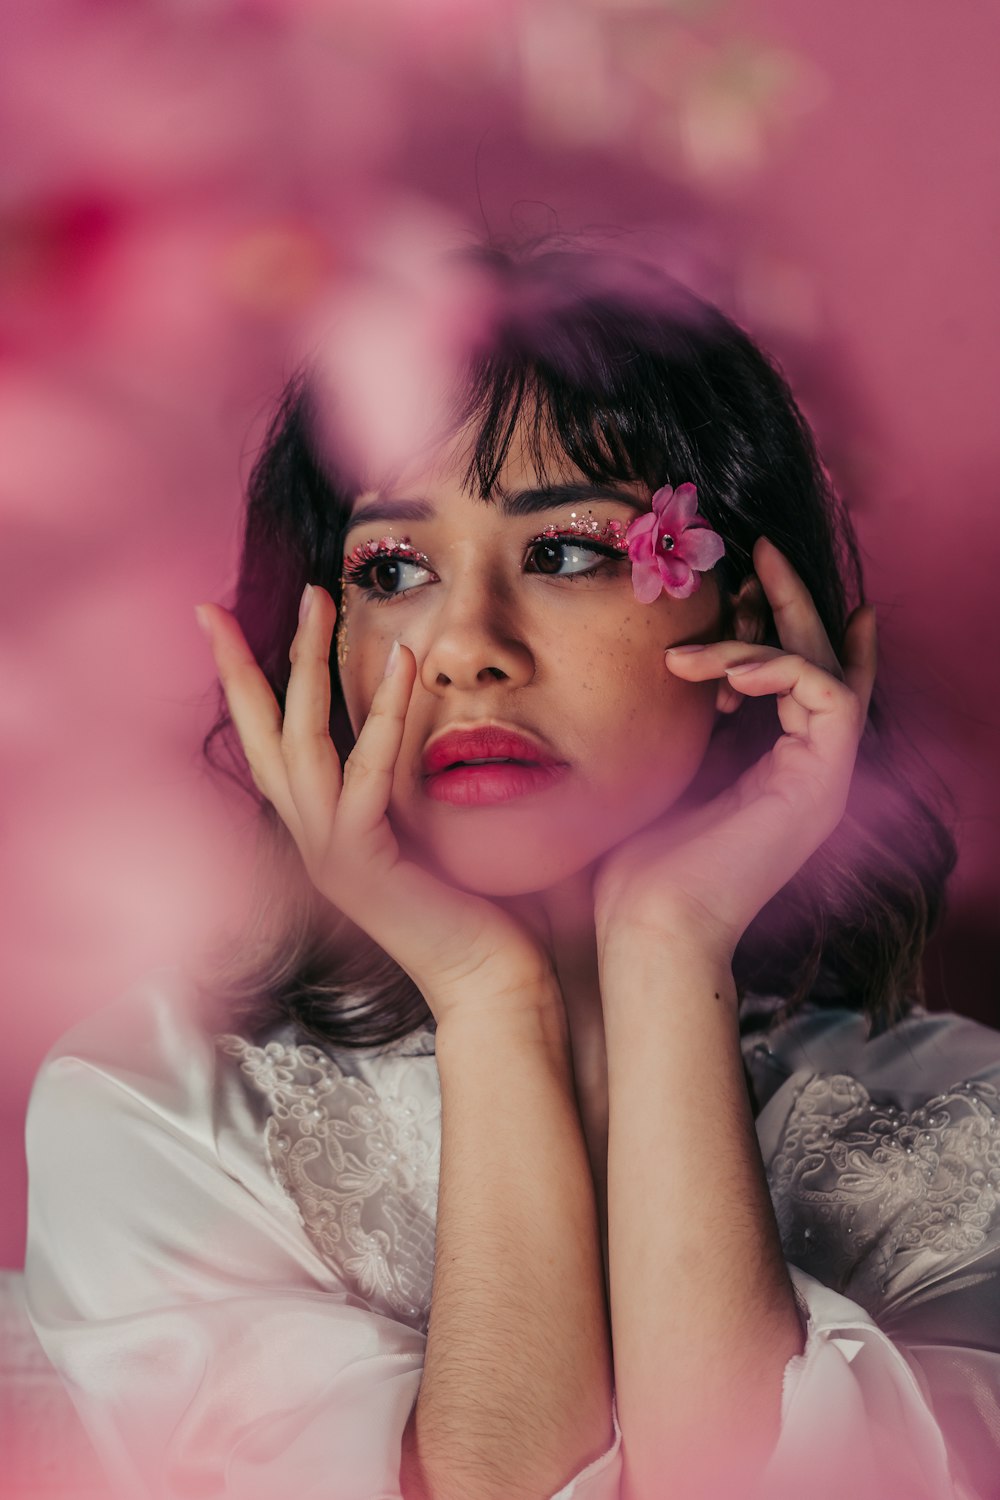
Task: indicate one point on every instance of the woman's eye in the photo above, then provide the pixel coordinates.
(387, 577)
(561, 558)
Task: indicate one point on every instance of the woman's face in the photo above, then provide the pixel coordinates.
(536, 635)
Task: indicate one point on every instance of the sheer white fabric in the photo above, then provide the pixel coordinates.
(231, 1248)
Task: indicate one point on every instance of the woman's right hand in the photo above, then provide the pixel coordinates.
(461, 950)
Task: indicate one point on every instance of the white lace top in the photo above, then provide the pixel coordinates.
(231, 1250)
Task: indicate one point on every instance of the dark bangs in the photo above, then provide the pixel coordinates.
(665, 390)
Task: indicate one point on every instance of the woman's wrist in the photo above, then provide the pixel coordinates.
(674, 931)
(529, 1014)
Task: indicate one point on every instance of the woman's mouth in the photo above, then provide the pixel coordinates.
(487, 764)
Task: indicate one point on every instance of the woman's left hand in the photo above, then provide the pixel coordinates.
(703, 874)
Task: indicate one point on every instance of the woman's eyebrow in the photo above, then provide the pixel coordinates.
(390, 510)
(529, 502)
(514, 503)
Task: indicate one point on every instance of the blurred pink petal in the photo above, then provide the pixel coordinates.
(398, 335)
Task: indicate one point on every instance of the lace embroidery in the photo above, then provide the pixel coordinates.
(360, 1167)
(862, 1189)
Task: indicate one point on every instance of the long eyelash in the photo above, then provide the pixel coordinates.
(584, 535)
(357, 567)
(386, 546)
(612, 533)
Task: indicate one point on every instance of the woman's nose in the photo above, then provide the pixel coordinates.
(474, 641)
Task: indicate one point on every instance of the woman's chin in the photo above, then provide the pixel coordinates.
(493, 864)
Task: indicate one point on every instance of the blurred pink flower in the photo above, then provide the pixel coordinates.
(671, 544)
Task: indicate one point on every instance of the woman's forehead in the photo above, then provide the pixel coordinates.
(444, 474)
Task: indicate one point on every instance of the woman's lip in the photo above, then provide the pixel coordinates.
(487, 785)
(484, 742)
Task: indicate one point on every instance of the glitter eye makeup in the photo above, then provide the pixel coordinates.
(392, 546)
(611, 534)
(605, 542)
(360, 565)
(605, 539)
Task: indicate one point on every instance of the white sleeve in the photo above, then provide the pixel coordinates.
(897, 1390)
(205, 1352)
(863, 1416)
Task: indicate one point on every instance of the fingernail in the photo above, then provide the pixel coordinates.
(391, 659)
(202, 621)
(305, 602)
(746, 666)
(676, 650)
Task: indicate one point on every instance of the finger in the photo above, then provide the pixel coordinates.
(796, 618)
(697, 663)
(311, 760)
(861, 653)
(369, 769)
(254, 711)
(833, 719)
(720, 657)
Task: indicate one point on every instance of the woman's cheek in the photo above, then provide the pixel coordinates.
(360, 675)
(666, 754)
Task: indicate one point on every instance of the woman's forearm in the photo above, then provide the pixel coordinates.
(702, 1308)
(516, 1389)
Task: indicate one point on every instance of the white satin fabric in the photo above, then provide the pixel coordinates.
(231, 1244)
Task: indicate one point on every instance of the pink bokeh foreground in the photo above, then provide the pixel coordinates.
(193, 196)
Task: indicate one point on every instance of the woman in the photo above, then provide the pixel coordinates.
(567, 1121)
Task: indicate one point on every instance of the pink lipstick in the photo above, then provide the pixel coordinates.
(488, 764)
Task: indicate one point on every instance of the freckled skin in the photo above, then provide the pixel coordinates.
(580, 664)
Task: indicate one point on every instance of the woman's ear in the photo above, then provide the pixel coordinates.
(745, 620)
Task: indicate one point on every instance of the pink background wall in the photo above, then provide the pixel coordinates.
(873, 223)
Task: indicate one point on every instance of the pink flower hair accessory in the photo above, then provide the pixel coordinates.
(671, 544)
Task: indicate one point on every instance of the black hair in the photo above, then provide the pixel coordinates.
(633, 378)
